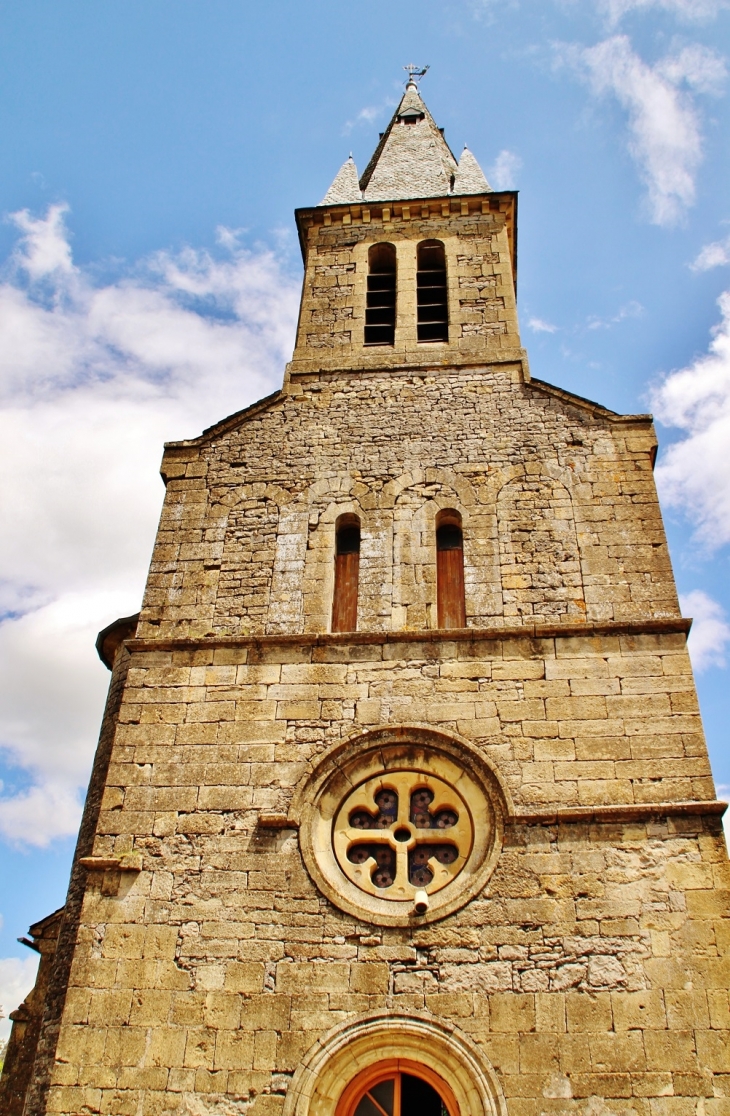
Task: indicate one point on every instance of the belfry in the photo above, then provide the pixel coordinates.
(401, 804)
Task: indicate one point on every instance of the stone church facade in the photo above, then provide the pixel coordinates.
(401, 804)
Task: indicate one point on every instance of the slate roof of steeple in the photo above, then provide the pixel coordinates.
(412, 160)
(345, 187)
(469, 177)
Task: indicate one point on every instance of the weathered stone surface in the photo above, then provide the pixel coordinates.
(27, 1018)
(543, 542)
(199, 964)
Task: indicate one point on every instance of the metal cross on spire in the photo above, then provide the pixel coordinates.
(415, 73)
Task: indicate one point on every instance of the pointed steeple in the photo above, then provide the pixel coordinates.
(345, 187)
(469, 178)
(412, 160)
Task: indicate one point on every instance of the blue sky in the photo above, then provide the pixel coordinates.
(153, 153)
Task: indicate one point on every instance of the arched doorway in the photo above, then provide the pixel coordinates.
(397, 1087)
(347, 1063)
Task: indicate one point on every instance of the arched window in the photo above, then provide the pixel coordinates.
(380, 302)
(450, 571)
(347, 570)
(433, 318)
(398, 1087)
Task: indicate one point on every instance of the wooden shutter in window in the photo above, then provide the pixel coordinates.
(347, 570)
(450, 576)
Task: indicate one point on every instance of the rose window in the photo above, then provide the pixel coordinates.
(401, 833)
(401, 823)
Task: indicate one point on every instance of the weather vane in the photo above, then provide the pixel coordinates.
(415, 73)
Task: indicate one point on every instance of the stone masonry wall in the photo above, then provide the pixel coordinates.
(477, 234)
(560, 513)
(565, 720)
(594, 964)
(199, 960)
(573, 988)
(22, 1046)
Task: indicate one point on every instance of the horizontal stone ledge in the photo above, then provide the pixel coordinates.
(629, 812)
(416, 366)
(129, 862)
(277, 821)
(669, 626)
(303, 212)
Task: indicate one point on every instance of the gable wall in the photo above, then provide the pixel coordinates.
(561, 519)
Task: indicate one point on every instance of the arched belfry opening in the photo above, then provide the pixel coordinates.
(433, 317)
(381, 294)
(450, 596)
(347, 573)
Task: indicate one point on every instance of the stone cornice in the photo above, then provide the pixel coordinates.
(626, 812)
(452, 362)
(669, 626)
(369, 213)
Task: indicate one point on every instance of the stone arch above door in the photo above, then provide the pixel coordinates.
(329, 1066)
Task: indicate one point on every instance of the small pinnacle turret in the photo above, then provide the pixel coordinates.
(469, 178)
(345, 187)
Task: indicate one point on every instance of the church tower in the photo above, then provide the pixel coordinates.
(401, 804)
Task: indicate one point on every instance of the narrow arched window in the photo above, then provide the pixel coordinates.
(380, 300)
(433, 317)
(451, 606)
(347, 571)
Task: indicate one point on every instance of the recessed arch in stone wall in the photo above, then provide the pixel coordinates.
(540, 565)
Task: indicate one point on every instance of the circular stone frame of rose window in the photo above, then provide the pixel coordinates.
(432, 757)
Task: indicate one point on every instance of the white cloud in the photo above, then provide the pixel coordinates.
(368, 115)
(537, 325)
(51, 703)
(710, 632)
(723, 793)
(93, 379)
(665, 137)
(45, 248)
(486, 11)
(712, 255)
(632, 309)
(688, 10)
(694, 473)
(504, 170)
(17, 977)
